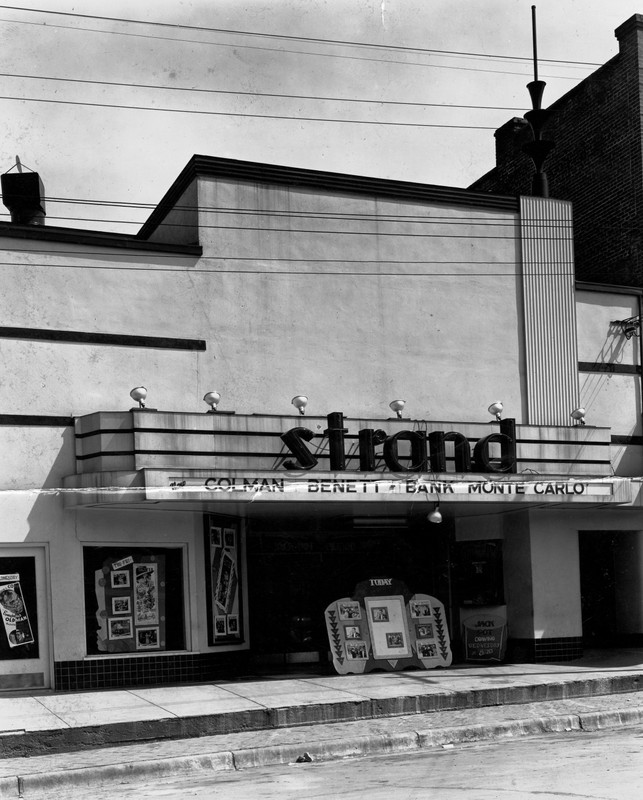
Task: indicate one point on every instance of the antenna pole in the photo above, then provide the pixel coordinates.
(535, 42)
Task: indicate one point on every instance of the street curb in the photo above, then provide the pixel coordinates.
(62, 740)
(27, 786)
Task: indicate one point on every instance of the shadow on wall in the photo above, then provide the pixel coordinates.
(47, 518)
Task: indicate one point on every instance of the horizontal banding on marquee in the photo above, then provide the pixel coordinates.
(428, 452)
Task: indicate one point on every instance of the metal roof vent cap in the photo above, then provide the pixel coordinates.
(24, 195)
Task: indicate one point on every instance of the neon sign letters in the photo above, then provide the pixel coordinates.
(427, 450)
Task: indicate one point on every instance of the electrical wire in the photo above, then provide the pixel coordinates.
(238, 93)
(494, 221)
(247, 115)
(372, 220)
(290, 37)
(285, 51)
(378, 274)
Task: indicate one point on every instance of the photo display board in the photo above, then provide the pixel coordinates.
(223, 580)
(131, 598)
(384, 626)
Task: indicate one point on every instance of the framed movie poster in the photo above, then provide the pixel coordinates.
(17, 603)
(223, 580)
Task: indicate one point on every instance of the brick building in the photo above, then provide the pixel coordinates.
(597, 163)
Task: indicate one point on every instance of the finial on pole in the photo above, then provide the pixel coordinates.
(539, 148)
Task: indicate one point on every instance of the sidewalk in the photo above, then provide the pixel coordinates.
(49, 739)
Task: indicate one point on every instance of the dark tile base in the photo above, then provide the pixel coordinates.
(530, 651)
(110, 673)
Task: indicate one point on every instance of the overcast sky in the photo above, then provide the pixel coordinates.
(242, 79)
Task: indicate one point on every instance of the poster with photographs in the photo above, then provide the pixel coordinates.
(146, 593)
(130, 595)
(386, 617)
(223, 580)
(15, 618)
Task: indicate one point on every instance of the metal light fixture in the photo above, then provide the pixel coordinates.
(496, 409)
(212, 399)
(300, 401)
(629, 327)
(139, 394)
(578, 414)
(435, 516)
(397, 406)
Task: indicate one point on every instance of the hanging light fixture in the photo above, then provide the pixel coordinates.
(435, 516)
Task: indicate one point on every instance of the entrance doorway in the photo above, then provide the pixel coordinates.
(294, 574)
(611, 587)
(24, 620)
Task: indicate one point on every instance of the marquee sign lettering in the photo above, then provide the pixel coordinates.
(428, 451)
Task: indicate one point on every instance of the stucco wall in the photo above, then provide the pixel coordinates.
(355, 302)
(377, 305)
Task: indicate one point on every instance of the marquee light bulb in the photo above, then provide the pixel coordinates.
(139, 394)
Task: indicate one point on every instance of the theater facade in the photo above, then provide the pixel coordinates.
(290, 384)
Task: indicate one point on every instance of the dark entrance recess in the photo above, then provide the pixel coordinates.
(296, 569)
(598, 587)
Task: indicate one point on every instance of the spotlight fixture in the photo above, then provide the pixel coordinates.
(300, 401)
(397, 406)
(139, 394)
(629, 327)
(578, 414)
(435, 516)
(212, 399)
(496, 409)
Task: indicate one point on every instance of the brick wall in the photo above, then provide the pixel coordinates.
(596, 163)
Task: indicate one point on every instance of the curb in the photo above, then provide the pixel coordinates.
(62, 740)
(381, 744)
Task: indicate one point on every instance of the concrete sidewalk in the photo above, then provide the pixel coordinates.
(52, 739)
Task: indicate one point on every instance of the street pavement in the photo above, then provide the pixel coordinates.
(53, 740)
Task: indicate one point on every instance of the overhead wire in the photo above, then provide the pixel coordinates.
(291, 37)
(120, 106)
(375, 273)
(372, 218)
(285, 51)
(238, 93)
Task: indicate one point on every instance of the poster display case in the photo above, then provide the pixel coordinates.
(222, 543)
(134, 600)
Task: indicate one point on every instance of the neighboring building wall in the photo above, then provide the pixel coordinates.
(610, 372)
(596, 163)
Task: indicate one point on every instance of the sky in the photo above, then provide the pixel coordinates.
(108, 101)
